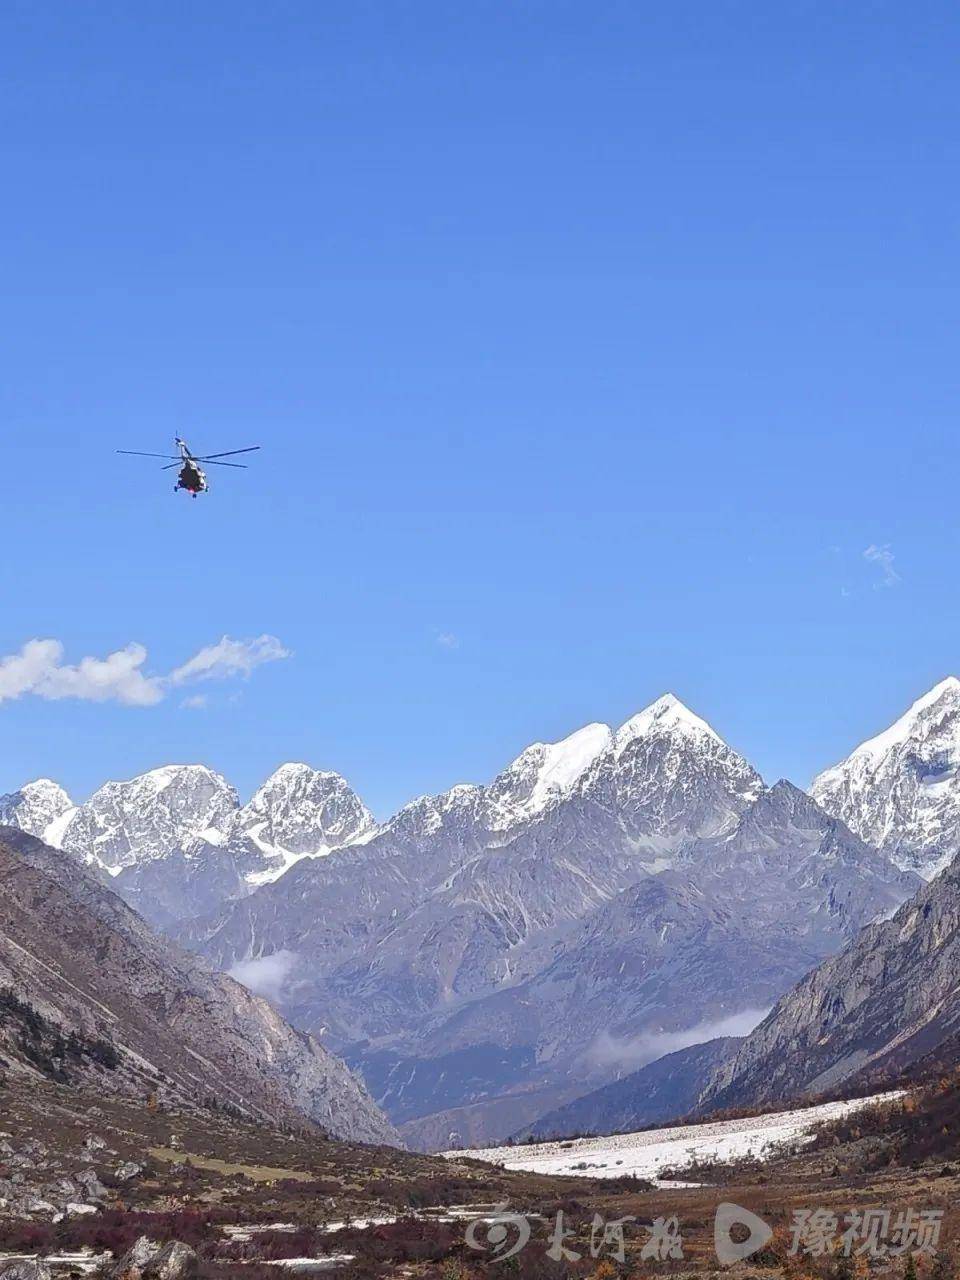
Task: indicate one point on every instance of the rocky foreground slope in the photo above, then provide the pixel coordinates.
(886, 1003)
(91, 997)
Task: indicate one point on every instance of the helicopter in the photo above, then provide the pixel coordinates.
(191, 478)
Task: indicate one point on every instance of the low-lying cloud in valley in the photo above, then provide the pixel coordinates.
(265, 975)
(628, 1053)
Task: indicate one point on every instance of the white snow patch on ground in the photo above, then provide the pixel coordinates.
(648, 1152)
(310, 1264)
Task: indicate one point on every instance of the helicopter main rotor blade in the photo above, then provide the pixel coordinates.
(210, 457)
(171, 465)
(135, 453)
(240, 466)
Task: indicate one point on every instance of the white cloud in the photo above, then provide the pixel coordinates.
(883, 558)
(447, 640)
(229, 658)
(196, 702)
(265, 975)
(631, 1052)
(39, 670)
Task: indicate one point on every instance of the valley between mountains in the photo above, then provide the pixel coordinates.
(585, 940)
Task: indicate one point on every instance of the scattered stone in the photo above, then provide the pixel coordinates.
(92, 1186)
(77, 1210)
(40, 1206)
(128, 1170)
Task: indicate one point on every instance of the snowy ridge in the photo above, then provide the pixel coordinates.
(900, 790)
(904, 729)
(547, 771)
(190, 818)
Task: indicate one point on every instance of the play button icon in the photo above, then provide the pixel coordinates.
(729, 1216)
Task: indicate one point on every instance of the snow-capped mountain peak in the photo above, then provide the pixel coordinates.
(562, 764)
(301, 812)
(36, 807)
(900, 790)
(150, 816)
(667, 715)
(543, 773)
(548, 772)
(916, 724)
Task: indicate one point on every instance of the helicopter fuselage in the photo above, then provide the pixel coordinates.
(191, 477)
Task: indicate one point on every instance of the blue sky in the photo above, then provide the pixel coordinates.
(590, 347)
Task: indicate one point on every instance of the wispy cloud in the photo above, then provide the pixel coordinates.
(229, 658)
(628, 1053)
(883, 558)
(196, 702)
(447, 640)
(39, 671)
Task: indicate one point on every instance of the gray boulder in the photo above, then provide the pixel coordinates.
(27, 1271)
(148, 1260)
(176, 1261)
(133, 1265)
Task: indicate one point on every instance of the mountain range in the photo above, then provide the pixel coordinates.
(493, 953)
(176, 842)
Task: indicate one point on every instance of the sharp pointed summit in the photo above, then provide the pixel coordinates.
(666, 714)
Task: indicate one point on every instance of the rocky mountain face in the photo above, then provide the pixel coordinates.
(126, 823)
(900, 791)
(91, 997)
(888, 1001)
(299, 812)
(551, 928)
